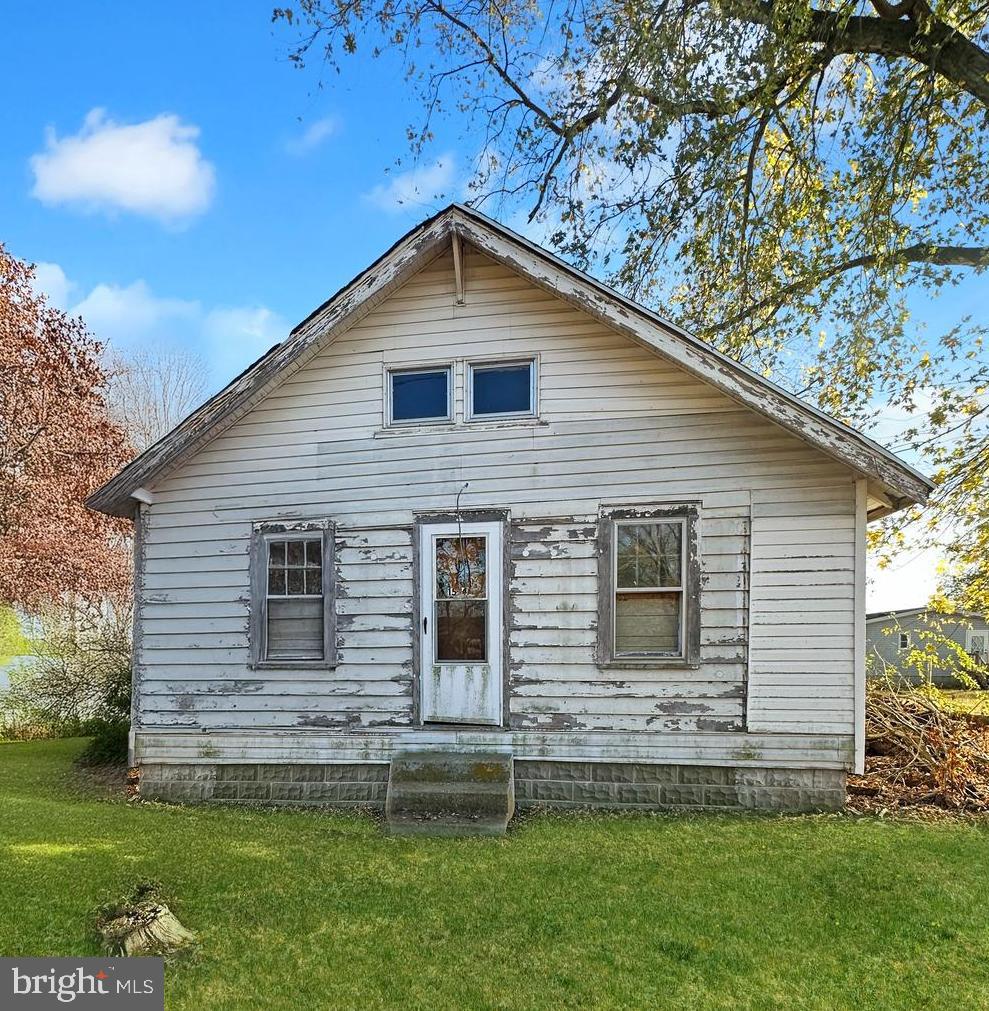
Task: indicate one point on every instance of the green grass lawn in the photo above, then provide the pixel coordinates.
(301, 910)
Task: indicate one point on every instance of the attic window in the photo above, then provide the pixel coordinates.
(416, 396)
(502, 390)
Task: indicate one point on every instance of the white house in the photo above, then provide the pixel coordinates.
(478, 504)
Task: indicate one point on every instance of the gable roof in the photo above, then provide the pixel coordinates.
(355, 300)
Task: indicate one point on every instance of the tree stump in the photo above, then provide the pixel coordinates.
(144, 925)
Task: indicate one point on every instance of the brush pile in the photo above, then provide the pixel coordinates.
(920, 753)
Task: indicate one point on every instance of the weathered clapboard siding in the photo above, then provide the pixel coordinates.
(802, 649)
(371, 685)
(774, 750)
(554, 679)
(617, 425)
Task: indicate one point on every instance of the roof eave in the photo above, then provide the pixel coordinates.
(905, 485)
(734, 379)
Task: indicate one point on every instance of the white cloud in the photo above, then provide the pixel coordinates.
(132, 316)
(154, 168)
(421, 185)
(125, 315)
(235, 336)
(50, 280)
(313, 136)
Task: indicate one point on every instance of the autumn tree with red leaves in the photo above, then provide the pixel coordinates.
(57, 444)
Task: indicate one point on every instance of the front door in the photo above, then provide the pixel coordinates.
(460, 622)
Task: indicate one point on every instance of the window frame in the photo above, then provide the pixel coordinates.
(395, 370)
(504, 363)
(688, 656)
(261, 537)
(969, 633)
(904, 644)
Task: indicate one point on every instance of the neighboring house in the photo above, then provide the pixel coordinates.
(893, 635)
(479, 504)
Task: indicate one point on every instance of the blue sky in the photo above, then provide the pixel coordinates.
(180, 182)
(239, 194)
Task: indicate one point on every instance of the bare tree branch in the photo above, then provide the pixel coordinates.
(976, 257)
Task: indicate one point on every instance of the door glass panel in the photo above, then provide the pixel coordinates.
(461, 567)
(461, 611)
(461, 630)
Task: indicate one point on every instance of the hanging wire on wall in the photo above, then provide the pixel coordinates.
(461, 550)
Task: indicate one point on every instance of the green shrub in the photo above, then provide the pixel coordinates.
(79, 671)
(108, 745)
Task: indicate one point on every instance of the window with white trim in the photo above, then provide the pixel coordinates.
(420, 396)
(501, 390)
(977, 644)
(904, 640)
(649, 588)
(292, 619)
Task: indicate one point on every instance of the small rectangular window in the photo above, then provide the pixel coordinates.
(292, 614)
(502, 390)
(904, 640)
(649, 581)
(295, 600)
(420, 395)
(648, 587)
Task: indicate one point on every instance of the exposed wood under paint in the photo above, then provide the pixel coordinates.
(409, 255)
(787, 750)
(777, 533)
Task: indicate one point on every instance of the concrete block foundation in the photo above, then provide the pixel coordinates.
(631, 785)
(538, 783)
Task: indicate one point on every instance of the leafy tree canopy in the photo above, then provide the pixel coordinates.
(778, 176)
(57, 444)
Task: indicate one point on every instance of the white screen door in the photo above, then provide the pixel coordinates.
(461, 622)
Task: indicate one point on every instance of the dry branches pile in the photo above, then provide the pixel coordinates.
(919, 752)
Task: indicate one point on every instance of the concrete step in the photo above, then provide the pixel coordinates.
(450, 793)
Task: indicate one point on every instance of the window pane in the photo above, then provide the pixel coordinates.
(502, 390)
(461, 567)
(276, 581)
(419, 395)
(276, 553)
(647, 623)
(296, 553)
(461, 630)
(314, 581)
(295, 630)
(296, 581)
(314, 554)
(649, 554)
